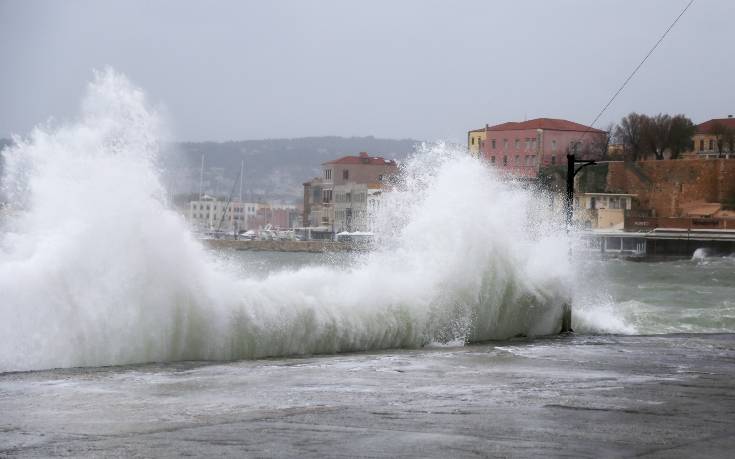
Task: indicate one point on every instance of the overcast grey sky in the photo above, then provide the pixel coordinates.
(420, 69)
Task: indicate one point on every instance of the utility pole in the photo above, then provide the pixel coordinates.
(572, 161)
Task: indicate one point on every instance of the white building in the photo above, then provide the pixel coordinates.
(211, 214)
(355, 206)
(603, 210)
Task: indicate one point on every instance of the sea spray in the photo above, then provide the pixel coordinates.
(95, 270)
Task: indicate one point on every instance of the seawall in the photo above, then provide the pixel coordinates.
(667, 184)
(278, 246)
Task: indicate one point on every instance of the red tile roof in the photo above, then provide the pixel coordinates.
(364, 158)
(706, 127)
(549, 124)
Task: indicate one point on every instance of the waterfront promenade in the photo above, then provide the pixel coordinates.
(607, 396)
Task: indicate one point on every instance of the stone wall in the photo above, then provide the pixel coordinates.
(278, 246)
(664, 186)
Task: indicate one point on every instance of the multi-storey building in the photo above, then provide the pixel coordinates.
(278, 216)
(313, 207)
(522, 148)
(354, 206)
(715, 138)
(341, 175)
(476, 141)
(211, 214)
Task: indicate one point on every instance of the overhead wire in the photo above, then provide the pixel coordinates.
(640, 64)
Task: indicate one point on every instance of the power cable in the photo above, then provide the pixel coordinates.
(640, 64)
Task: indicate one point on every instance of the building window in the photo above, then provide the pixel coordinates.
(553, 159)
(711, 144)
(505, 160)
(345, 174)
(472, 140)
(327, 196)
(328, 174)
(518, 144)
(492, 159)
(553, 145)
(493, 143)
(701, 144)
(518, 160)
(505, 144)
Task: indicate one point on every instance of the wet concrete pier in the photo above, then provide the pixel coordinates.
(658, 396)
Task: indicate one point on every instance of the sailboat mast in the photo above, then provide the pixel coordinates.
(242, 170)
(201, 178)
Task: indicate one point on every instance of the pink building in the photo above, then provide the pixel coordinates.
(358, 169)
(521, 148)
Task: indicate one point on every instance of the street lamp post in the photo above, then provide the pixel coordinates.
(572, 169)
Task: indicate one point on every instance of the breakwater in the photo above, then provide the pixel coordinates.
(278, 246)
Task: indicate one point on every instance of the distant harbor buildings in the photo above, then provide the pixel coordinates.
(345, 198)
(212, 214)
(347, 194)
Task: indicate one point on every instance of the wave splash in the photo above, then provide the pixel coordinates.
(96, 270)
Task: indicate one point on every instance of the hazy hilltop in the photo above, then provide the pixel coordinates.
(274, 168)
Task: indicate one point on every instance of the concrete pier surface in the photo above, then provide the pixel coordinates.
(584, 396)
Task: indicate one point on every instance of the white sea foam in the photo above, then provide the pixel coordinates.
(95, 270)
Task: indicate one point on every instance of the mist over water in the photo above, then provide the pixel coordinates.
(96, 270)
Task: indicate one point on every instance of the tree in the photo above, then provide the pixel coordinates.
(656, 134)
(682, 130)
(643, 135)
(724, 135)
(601, 143)
(630, 133)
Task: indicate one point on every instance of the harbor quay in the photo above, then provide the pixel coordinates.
(659, 243)
(315, 246)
